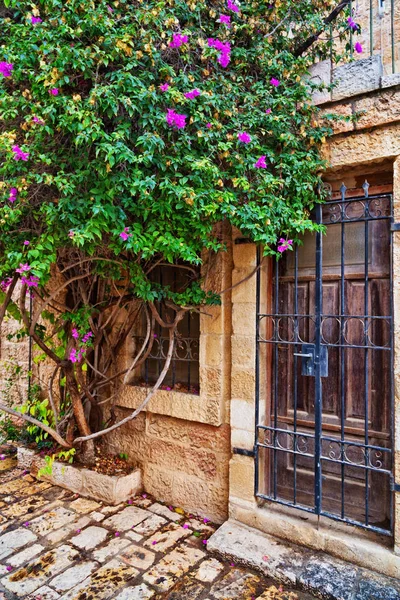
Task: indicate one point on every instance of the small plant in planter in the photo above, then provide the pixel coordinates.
(131, 131)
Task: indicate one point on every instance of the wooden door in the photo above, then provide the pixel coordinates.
(355, 323)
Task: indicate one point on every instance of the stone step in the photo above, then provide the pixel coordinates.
(318, 573)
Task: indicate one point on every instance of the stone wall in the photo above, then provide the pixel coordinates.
(182, 441)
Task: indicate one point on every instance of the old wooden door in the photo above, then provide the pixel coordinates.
(325, 443)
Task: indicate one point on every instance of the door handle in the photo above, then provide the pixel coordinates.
(303, 355)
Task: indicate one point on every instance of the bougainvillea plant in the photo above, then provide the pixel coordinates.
(129, 131)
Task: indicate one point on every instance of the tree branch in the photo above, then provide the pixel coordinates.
(329, 19)
(30, 419)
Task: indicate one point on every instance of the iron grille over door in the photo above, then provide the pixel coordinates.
(324, 368)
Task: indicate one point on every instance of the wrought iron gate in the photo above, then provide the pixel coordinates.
(324, 368)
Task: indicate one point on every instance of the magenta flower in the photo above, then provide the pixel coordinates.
(5, 284)
(244, 137)
(208, 125)
(75, 333)
(76, 357)
(185, 526)
(26, 524)
(117, 534)
(164, 87)
(226, 19)
(125, 235)
(9, 568)
(284, 245)
(23, 268)
(268, 111)
(261, 164)
(168, 389)
(175, 120)
(35, 20)
(6, 69)
(154, 542)
(178, 40)
(224, 48)
(232, 6)
(193, 94)
(54, 91)
(205, 542)
(275, 82)
(205, 520)
(19, 154)
(38, 121)
(352, 24)
(71, 233)
(144, 495)
(110, 10)
(130, 501)
(31, 281)
(2, 457)
(87, 337)
(224, 59)
(358, 48)
(26, 243)
(13, 194)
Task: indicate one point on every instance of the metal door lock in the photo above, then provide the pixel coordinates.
(308, 359)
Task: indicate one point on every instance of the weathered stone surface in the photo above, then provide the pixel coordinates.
(331, 579)
(373, 587)
(135, 537)
(209, 570)
(186, 589)
(52, 520)
(357, 77)
(90, 537)
(164, 511)
(172, 567)
(44, 593)
(15, 539)
(22, 557)
(320, 74)
(36, 574)
(165, 539)
(67, 580)
(104, 583)
(84, 505)
(137, 557)
(27, 505)
(150, 525)
(235, 584)
(63, 532)
(113, 547)
(125, 520)
(139, 592)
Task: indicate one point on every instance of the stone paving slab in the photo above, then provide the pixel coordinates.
(66, 547)
(326, 577)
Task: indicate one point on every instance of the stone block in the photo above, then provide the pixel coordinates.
(126, 519)
(163, 540)
(209, 570)
(378, 109)
(67, 580)
(244, 351)
(244, 318)
(390, 80)
(138, 592)
(241, 477)
(243, 414)
(173, 567)
(242, 439)
(244, 256)
(14, 540)
(138, 557)
(106, 488)
(320, 74)
(357, 77)
(90, 537)
(243, 384)
(113, 547)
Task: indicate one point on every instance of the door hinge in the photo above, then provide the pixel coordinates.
(395, 227)
(244, 452)
(394, 487)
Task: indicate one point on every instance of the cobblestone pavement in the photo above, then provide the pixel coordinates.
(54, 544)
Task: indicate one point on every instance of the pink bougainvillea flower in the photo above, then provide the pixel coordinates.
(71, 233)
(244, 137)
(54, 91)
(193, 94)
(26, 524)
(144, 495)
(358, 48)
(226, 19)
(268, 111)
(232, 6)
(9, 568)
(224, 48)
(232, 564)
(154, 542)
(75, 333)
(117, 534)
(261, 164)
(168, 389)
(205, 542)
(352, 24)
(35, 20)
(31, 281)
(130, 501)
(26, 243)
(164, 87)
(2, 457)
(78, 530)
(208, 125)
(19, 154)
(5, 284)
(224, 59)
(110, 10)
(23, 268)
(275, 82)
(13, 194)
(284, 245)
(205, 520)
(178, 40)
(38, 121)
(125, 234)
(6, 69)
(175, 120)
(87, 337)
(185, 526)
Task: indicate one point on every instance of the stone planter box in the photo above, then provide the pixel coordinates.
(107, 488)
